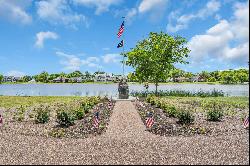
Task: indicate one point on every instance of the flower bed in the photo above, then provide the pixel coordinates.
(73, 119)
(169, 117)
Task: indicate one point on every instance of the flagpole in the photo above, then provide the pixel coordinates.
(123, 49)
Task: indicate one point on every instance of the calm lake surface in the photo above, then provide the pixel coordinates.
(109, 89)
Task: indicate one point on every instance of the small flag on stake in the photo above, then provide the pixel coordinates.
(246, 122)
(96, 120)
(110, 106)
(150, 120)
(1, 120)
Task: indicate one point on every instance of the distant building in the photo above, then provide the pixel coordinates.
(76, 79)
(32, 81)
(61, 80)
(197, 78)
(100, 78)
(11, 79)
(107, 78)
(181, 79)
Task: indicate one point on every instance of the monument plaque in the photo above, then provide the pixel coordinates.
(123, 89)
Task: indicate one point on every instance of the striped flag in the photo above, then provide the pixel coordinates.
(96, 120)
(110, 105)
(121, 30)
(150, 120)
(246, 122)
(1, 120)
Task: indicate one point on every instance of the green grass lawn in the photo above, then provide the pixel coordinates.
(14, 101)
(237, 102)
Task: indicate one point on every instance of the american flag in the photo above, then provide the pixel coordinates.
(110, 105)
(1, 120)
(121, 30)
(96, 120)
(246, 122)
(150, 120)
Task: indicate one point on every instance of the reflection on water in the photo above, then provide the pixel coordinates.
(109, 89)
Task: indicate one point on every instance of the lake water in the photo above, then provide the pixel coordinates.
(109, 89)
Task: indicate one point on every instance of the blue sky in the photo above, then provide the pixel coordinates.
(67, 35)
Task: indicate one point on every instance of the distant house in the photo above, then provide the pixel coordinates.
(107, 78)
(100, 78)
(32, 81)
(76, 79)
(181, 79)
(11, 79)
(8, 78)
(117, 78)
(197, 78)
(61, 80)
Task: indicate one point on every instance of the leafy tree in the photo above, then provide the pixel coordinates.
(175, 73)
(205, 75)
(87, 75)
(188, 75)
(42, 77)
(227, 77)
(75, 74)
(132, 77)
(53, 76)
(153, 58)
(1, 78)
(26, 78)
(215, 75)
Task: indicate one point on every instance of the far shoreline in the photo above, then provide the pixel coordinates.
(130, 83)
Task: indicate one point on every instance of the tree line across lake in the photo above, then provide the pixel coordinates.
(176, 75)
(226, 77)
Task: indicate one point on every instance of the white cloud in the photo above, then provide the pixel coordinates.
(59, 12)
(101, 5)
(42, 36)
(227, 41)
(183, 21)
(147, 5)
(111, 58)
(72, 62)
(15, 11)
(15, 73)
(131, 14)
(154, 7)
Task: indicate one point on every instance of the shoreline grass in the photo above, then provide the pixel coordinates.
(13, 101)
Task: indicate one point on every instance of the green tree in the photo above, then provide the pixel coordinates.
(53, 76)
(215, 75)
(87, 75)
(1, 78)
(75, 74)
(153, 58)
(26, 78)
(205, 75)
(42, 77)
(227, 77)
(188, 75)
(132, 77)
(175, 73)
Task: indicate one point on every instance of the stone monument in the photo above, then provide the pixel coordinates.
(123, 89)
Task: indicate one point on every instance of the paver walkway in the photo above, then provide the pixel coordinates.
(125, 142)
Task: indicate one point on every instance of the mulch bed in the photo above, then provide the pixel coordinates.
(81, 129)
(169, 126)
